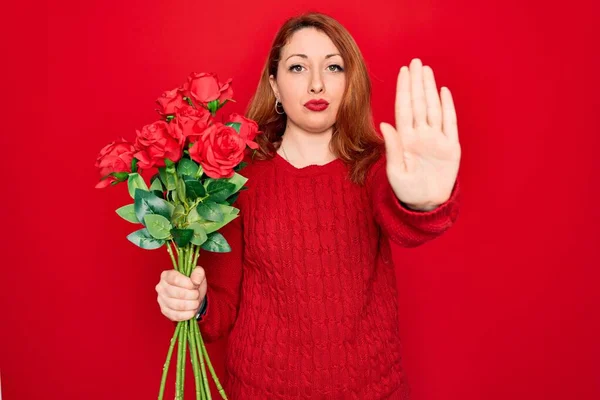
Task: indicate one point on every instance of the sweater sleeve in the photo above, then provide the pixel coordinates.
(224, 277)
(403, 226)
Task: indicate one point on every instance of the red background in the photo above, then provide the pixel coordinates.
(503, 306)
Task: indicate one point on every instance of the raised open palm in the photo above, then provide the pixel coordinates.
(422, 151)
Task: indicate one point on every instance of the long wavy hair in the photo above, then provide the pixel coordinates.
(354, 138)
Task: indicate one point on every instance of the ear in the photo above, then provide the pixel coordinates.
(273, 83)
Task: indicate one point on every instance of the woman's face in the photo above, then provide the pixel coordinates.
(311, 68)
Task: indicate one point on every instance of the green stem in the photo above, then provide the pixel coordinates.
(194, 358)
(181, 259)
(188, 251)
(184, 341)
(196, 254)
(171, 254)
(210, 367)
(163, 379)
(202, 357)
(178, 255)
(178, 377)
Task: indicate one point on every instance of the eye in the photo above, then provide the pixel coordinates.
(292, 68)
(339, 69)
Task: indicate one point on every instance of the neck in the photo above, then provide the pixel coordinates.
(303, 148)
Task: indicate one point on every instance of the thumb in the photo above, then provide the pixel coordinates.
(394, 150)
(197, 275)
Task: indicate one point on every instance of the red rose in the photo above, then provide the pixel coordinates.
(190, 122)
(114, 157)
(170, 100)
(205, 87)
(248, 129)
(219, 149)
(156, 142)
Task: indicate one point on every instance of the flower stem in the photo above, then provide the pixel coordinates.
(189, 254)
(196, 254)
(210, 367)
(171, 254)
(202, 357)
(178, 377)
(183, 342)
(194, 358)
(163, 379)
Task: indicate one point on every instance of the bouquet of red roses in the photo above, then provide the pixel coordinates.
(190, 197)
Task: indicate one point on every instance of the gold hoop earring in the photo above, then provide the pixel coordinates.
(276, 104)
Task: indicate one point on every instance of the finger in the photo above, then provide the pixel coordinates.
(404, 114)
(198, 275)
(434, 106)
(181, 305)
(417, 92)
(394, 151)
(175, 292)
(176, 278)
(450, 127)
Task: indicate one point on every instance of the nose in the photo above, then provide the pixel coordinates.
(316, 83)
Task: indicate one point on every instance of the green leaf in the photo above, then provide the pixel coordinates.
(231, 199)
(187, 167)
(128, 213)
(194, 188)
(181, 190)
(182, 237)
(226, 210)
(158, 226)
(135, 181)
(210, 226)
(143, 239)
(200, 235)
(156, 185)
(235, 125)
(148, 203)
(216, 243)
(219, 190)
(210, 211)
(167, 179)
(178, 217)
(238, 180)
(193, 216)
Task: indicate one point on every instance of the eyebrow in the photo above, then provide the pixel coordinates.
(305, 56)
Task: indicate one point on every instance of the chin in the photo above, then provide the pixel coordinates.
(316, 127)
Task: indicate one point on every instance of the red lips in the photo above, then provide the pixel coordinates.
(317, 102)
(316, 105)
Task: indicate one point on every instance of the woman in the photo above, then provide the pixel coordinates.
(308, 292)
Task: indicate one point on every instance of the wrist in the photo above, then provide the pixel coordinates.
(202, 309)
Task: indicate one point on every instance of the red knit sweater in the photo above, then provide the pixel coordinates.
(308, 292)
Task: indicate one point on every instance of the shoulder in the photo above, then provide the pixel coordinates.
(252, 170)
(253, 166)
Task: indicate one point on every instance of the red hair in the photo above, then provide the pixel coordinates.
(354, 138)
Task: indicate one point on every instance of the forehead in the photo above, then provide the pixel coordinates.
(309, 41)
